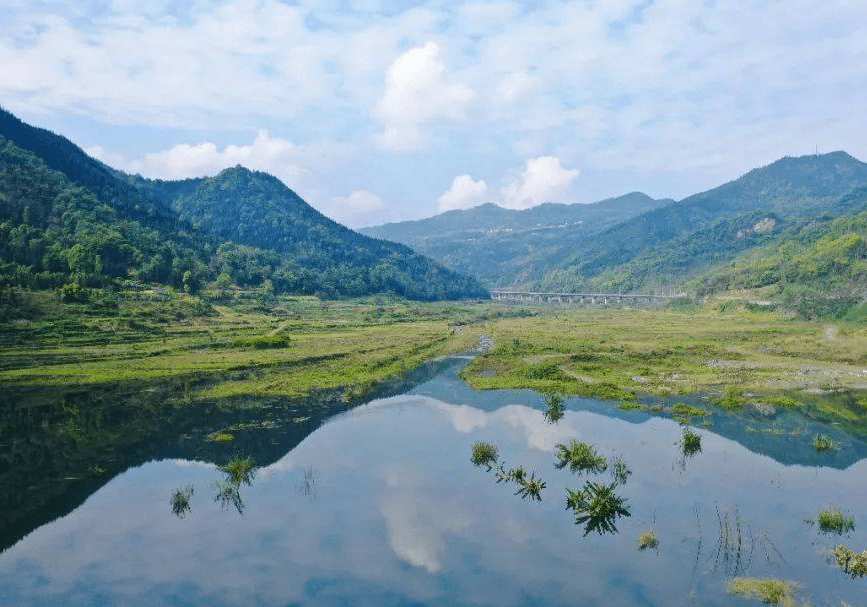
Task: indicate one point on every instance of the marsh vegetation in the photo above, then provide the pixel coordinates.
(579, 457)
(833, 520)
(771, 591)
(597, 506)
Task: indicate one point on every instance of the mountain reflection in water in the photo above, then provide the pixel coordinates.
(400, 516)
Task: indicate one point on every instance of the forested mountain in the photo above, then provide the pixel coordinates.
(796, 188)
(504, 246)
(817, 267)
(69, 221)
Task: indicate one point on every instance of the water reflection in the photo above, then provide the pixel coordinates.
(401, 518)
(597, 506)
(181, 501)
(556, 404)
(58, 446)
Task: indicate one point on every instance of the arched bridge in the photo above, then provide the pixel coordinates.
(582, 298)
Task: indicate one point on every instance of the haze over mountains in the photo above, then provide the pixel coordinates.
(67, 219)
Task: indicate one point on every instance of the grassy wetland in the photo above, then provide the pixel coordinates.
(651, 359)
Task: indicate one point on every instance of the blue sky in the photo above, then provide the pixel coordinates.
(376, 111)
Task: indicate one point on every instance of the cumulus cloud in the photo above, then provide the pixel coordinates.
(266, 153)
(463, 194)
(418, 92)
(624, 84)
(544, 179)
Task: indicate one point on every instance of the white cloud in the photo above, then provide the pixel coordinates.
(356, 209)
(266, 153)
(647, 92)
(543, 180)
(463, 194)
(418, 92)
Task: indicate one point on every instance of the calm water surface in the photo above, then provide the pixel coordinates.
(380, 505)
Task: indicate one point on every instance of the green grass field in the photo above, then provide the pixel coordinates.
(240, 345)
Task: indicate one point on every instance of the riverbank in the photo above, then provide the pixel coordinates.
(727, 359)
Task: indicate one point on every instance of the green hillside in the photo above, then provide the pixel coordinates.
(797, 188)
(68, 221)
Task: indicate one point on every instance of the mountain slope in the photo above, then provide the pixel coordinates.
(68, 220)
(503, 246)
(258, 210)
(791, 187)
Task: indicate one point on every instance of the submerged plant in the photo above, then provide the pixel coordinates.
(770, 590)
(620, 471)
(181, 501)
(579, 457)
(597, 506)
(823, 443)
(833, 521)
(647, 539)
(484, 454)
(556, 408)
(851, 562)
(690, 444)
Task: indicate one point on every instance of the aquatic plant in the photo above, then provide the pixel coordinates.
(527, 486)
(228, 495)
(531, 487)
(513, 475)
(620, 471)
(220, 437)
(769, 590)
(484, 454)
(735, 544)
(823, 443)
(579, 457)
(597, 506)
(684, 413)
(690, 444)
(851, 562)
(307, 486)
(647, 539)
(732, 398)
(556, 408)
(239, 470)
(181, 501)
(632, 406)
(833, 521)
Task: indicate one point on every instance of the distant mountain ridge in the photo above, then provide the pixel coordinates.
(634, 242)
(500, 245)
(68, 220)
